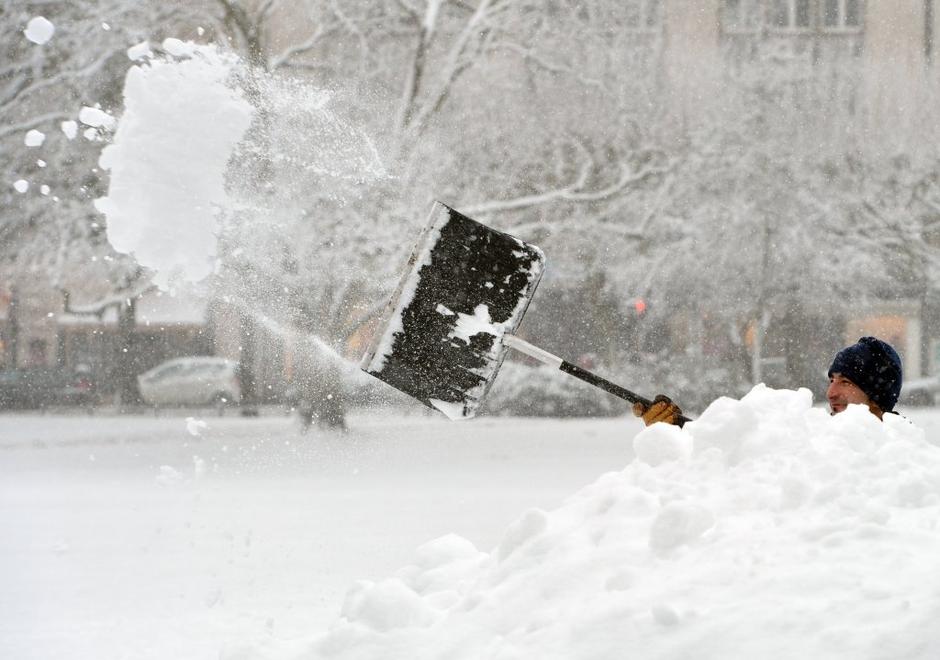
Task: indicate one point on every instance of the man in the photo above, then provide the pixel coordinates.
(867, 372)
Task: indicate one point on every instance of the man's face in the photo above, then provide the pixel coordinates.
(842, 392)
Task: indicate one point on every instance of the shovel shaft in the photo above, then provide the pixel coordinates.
(539, 354)
(603, 383)
(545, 357)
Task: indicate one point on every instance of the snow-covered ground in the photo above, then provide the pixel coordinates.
(130, 537)
(168, 537)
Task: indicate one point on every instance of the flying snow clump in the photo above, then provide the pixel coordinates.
(140, 51)
(96, 118)
(180, 48)
(195, 426)
(39, 30)
(34, 138)
(70, 128)
(188, 117)
(21, 185)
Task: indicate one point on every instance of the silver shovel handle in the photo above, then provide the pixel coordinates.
(545, 357)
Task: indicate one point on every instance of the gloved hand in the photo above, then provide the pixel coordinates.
(662, 409)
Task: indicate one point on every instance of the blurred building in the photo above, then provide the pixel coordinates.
(874, 61)
(165, 327)
(39, 329)
(866, 54)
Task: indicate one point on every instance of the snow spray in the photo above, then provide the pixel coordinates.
(185, 116)
(195, 114)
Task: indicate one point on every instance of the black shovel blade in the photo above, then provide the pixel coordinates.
(464, 287)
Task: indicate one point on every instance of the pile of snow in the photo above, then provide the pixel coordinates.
(182, 120)
(764, 529)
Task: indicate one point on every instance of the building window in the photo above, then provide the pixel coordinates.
(791, 14)
(38, 353)
(644, 15)
(742, 16)
(842, 14)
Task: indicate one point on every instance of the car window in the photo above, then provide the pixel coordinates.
(190, 370)
(169, 371)
(201, 369)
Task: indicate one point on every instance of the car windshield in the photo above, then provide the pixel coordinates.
(169, 371)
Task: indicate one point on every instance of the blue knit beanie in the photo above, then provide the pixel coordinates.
(875, 367)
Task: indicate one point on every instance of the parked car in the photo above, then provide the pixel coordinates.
(191, 381)
(41, 387)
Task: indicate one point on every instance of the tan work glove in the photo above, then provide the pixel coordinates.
(662, 409)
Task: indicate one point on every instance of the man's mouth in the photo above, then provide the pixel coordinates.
(837, 407)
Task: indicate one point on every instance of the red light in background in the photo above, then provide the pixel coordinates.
(639, 305)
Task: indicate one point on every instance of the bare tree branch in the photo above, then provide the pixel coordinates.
(453, 67)
(34, 122)
(284, 57)
(572, 193)
(91, 69)
(529, 55)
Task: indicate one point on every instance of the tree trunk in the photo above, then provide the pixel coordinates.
(14, 324)
(926, 354)
(757, 350)
(247, 375)
(128, 393)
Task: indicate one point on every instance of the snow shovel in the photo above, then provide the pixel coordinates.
(446, 329)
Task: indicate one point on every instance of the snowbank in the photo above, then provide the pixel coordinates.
(764, 529)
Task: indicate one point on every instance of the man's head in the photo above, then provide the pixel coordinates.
(867, 372)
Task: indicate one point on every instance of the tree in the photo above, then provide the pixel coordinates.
(323, 248)
(43, 85)
(551, 119)
(47, 232)
(766, 225)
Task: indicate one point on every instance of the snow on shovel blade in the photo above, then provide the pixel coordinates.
(464, 287)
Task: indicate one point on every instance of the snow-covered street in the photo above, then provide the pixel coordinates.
(130, 537)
